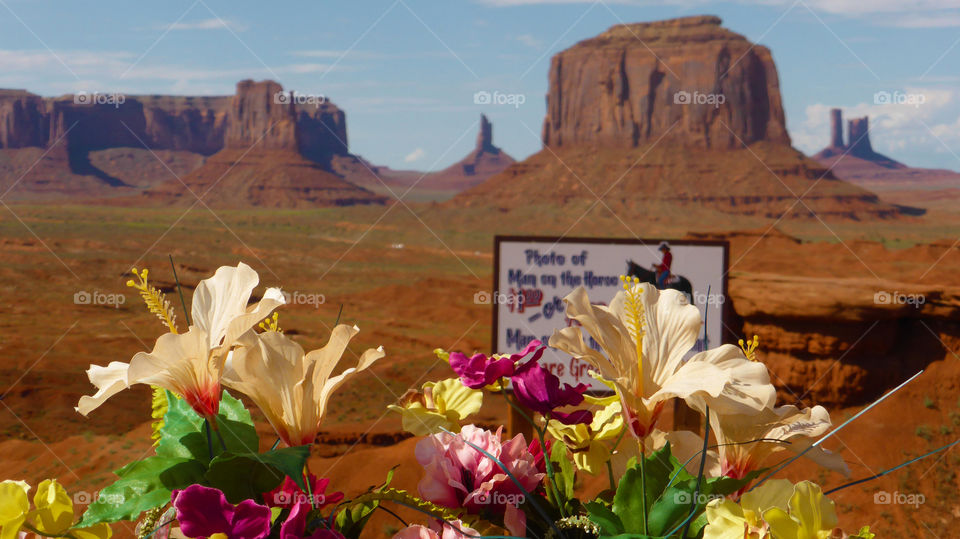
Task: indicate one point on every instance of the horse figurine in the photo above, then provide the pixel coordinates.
(676, 282)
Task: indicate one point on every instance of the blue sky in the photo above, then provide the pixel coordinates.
(405, 71)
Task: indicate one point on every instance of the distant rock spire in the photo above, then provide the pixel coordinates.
(836, 128)
(485, 136)
(858, 134)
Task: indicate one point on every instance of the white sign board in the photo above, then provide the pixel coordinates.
(532, 275)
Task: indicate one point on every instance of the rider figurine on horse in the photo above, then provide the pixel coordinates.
(663, 268)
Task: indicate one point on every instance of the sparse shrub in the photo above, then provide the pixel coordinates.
(924, 432)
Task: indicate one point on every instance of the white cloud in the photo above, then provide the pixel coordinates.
(920, 20)
(530, 41)
(415, 155)
(206, 24)
(70, 71)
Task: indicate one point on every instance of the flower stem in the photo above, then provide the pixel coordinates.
(216, 429)
(206, 428)
(551, 478)
(519, 410)
(613, 485)
(643, 486)
(186, 313)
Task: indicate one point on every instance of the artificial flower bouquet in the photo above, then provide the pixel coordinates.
(209, 478)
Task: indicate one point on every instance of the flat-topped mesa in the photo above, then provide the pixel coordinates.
(263, 115)
(260, 114)
(83, 122)
(687, 79)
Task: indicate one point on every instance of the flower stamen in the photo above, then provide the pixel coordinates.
(750, 348)
(636, 320)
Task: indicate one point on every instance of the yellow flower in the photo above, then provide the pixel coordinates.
(645, 335)
(809, 515)
(440, 404)
(588, 443)
(53, 514)
(14, 506)
(727, 519)
(290, 387)
(785, 427)
(190, 364)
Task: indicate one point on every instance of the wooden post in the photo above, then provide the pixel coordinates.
(517, 424)
(684, 417)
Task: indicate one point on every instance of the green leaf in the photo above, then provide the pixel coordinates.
(351, 520)
(562, 470)
(696, 527)
(236, 426)
(143, 485)
(676, 503)
(673, 507)
(250, 475)
(634, 493)
(184, 434)
(602, 516)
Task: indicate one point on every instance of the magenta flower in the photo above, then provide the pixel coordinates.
(479, 370)
(289, 494)
(204, 511)
(539, 390)
(295, 527)
(457, 475)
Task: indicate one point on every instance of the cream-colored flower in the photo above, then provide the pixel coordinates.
(190, 364)
(290, 387)
(645, 334)
(440, 404)
(785, 427)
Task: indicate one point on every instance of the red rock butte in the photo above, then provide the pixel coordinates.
(673, 113)
(688, 79)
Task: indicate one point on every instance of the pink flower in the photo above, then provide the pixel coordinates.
(449, 530)
(458, 475)
(479, 370)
